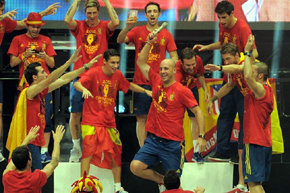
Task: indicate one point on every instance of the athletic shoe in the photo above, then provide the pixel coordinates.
(197, 157)
(217, 157)
(45, 158)
(239, 189)
(75, 155)
(2, 158)
(161, 188)
(121, 191)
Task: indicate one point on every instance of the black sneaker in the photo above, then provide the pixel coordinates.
(217, 157)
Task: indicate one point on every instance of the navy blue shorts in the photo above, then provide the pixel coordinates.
(48, 113)
(256, 163)
(76, 100)
(194, 91)
(36, 157)
(156, 149)
(1, 92)
(142, 102)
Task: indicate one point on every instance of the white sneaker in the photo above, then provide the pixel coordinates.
(75, 155)
(2, 158)
(121, 191)
(242, 188)
(161, 188)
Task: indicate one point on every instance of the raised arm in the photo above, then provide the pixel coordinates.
(230, 68)
(213, 46)
(122, 37)
(57, 136)
(35, 89)
(68, 19)
(114, 23)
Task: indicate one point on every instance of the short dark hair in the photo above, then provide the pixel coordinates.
(230, 48)
(109, 53)
(152, 3)
(224, 7)
(263, 68)
(2, 2)
(20, 157)
(92, 3)
(30, 71)
(187, 53)
(171, 180)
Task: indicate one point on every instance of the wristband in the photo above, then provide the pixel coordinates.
(248, 54)
(221, 68)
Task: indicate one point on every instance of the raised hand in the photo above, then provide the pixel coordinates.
(51, 10)
(75, 57)
(93, 61)
(199, 47)
(250, 43)
(10, 14)
(58, 134)
(33, 133)
(131, 21)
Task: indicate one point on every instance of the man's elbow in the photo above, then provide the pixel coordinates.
(67, 20)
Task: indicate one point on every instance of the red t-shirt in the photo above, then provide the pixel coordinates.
(186, 79)
(99, 110)
(238, 34)
(165, 118)
(239, 81)
(178, 191)
(25, 182)
(36, 116)
(257, 118)
(164, 42)
(94, 41)
(22, 42)
(6, 26)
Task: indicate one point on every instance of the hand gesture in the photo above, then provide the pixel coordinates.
(201, 143)
(10, 14)
(41, 55)
(93, 61)
(152, 37)
(250, 43)
(75, 57)
(33, 133)
(199, 189)
(212, 67)
(86, 93)
(199, 47)
(131, 21)
(58, 134)
(28, 52)
(51, 10)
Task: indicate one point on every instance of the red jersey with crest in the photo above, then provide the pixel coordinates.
(36, 116)
(6, 26)
(186, 79)
(165, 117)
(22, 42)
(99, 110)
(257, 118)
(93, 40)
(164, 42)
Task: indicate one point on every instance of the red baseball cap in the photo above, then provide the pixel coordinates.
(34, 19)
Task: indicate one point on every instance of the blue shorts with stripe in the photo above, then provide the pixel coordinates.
(156, 149)
(256, 163)
(194, 91)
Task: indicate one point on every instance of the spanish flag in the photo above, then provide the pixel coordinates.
(17, 131)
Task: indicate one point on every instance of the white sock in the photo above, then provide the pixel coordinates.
(117, 186)
(44, 150)
(195, 147)
(76, 143)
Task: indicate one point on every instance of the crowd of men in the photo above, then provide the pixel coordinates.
(164, 88)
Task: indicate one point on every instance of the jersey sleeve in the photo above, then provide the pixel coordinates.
(86, 78)
(187, 98)
(131, 34)
(49, 49)
(124, 83)
(171, 46)
(153, 76)
(77, 30)
(39, 178)
(13, 49)
(199, 65)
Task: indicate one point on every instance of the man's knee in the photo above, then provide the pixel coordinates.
(76, 116)
(137, 166)
(141, 118)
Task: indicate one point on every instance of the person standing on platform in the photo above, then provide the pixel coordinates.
(93, 35)
(7, 24)
(165, 119)
(189, 70)
(101, 142)
(164, 42)
(17, 177)
(29, 48)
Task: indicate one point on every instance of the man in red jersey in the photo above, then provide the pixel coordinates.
(101, 143)
(17, 177)
(7, 25)
(163, 43)
(172, 184)
(231, 29)
(33, 97)
(189, 71)
(165, 119)
(29, 48)
(93, 35)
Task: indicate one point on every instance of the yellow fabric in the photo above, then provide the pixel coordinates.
(17, 131)
(88, 130)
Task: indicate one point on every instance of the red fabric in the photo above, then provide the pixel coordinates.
(25, 182)
(238, 34)
(257, 118)
(178, 191)
(101, 147)
(165, 118)
(36, 116)
(238, 10)
(6, 26)
(241, 84)
(164, 42)
(99, 111)
(186, 79)
(22, 42)
(94, 41)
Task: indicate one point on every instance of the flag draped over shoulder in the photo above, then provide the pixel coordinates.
(213, 85)
(17, 130)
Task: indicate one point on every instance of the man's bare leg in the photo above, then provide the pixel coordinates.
(140, 129)
(75, 128)
(85, 165)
